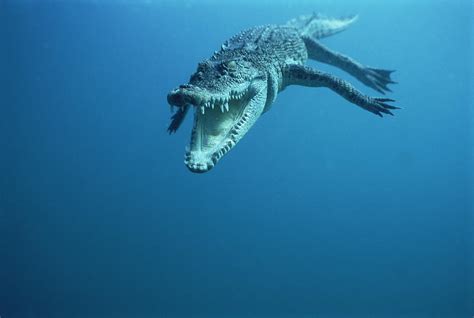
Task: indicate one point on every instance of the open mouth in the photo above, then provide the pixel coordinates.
(219, 123)
(221, 119)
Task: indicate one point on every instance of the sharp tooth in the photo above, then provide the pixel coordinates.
(202, 109)
(212, 106)
(226, 105)
(222, 108)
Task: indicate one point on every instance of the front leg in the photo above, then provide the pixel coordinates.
(305, 76)
(178, 118)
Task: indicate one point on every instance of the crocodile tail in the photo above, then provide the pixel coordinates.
(319, 26)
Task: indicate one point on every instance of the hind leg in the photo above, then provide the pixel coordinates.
(377, 79)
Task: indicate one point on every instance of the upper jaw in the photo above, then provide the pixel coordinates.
(189, 94)
(185, 95)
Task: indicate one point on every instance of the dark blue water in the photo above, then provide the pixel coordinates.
(322, 210)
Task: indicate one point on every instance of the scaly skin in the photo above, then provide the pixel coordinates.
(239, 83)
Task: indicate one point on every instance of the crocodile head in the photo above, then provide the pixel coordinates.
(228, 97)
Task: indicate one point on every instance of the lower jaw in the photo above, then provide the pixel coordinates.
(199, 161)
(199, 167)
(198, 170)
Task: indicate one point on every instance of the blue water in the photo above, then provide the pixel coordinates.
(322, 210)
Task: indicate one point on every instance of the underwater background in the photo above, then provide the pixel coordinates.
(322, 210)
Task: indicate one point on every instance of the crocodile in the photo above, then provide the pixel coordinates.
(238, 83)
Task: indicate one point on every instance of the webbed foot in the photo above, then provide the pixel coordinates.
(375, 78)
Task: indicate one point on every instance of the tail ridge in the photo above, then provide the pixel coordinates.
(319, 26)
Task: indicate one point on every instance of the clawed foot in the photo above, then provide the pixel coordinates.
(177, 119)
(378, 106)
(377, 79)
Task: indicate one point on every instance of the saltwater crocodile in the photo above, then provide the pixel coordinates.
(239, 83)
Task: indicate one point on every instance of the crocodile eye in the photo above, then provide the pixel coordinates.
(231, 65)
(228, 68)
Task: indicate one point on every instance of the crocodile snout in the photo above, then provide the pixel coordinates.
(184, 95)
(177, 98)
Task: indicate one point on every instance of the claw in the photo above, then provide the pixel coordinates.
(386, 111)
(384, 99)
(389, 106)
(378, 106)
(177, 119)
